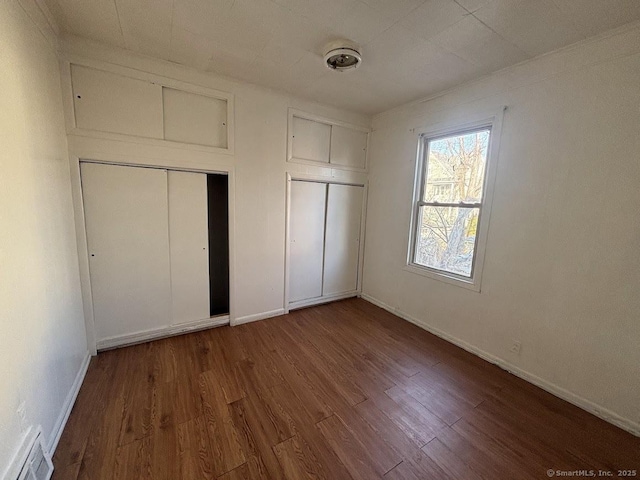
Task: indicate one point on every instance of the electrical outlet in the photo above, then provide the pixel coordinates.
(22, 413)
(515, 347)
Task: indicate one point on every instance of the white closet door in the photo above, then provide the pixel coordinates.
(127, 218)
(189, 246)
(306, 234)
(342, 244)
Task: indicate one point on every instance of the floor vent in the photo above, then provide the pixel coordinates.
(38, 464)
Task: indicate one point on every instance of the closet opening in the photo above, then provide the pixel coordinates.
(218, 212)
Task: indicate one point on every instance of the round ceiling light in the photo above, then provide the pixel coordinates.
(342, 55)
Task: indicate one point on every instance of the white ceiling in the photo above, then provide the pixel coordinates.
(411, 48)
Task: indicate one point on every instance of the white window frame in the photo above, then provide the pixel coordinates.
(424, 136)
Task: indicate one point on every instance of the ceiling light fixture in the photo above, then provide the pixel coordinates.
(342, 55)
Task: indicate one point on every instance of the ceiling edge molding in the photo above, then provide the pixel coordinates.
(42, 17)
(51, 19)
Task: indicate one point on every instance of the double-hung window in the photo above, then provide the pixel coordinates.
(451, 205)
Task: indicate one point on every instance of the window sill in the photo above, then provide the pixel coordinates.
(443, 277)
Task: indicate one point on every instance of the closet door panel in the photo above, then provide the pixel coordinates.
(306, 236)
(126, 213)
(342, 244)
(189, 246)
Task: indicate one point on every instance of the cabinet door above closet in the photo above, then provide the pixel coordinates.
(311, 140)
(348, 147)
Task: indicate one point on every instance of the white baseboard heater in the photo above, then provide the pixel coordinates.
(37, 463)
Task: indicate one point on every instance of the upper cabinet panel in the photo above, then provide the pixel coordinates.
(107, 102)
(193, 118)
(318, 140)
(118, 103)
(348, 147)
(310, 140)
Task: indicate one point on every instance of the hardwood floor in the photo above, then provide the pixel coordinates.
(339, 391)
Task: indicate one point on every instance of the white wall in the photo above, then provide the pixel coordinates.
(258, 165)
(42, 335)
(562, 265)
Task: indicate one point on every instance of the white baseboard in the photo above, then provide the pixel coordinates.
(145, 336)
(68, 405)
(281, 311)
(258, 316)
(591, 407)
(320, 300)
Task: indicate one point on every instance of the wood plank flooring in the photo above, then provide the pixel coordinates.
(340, 391)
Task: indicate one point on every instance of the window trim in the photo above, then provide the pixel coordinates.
(423, 137)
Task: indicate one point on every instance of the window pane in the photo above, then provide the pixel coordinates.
(446, 238)
(455, 168)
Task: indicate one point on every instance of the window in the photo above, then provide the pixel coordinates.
(450, 202)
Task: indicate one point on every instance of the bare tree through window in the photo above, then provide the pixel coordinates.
(451, 201)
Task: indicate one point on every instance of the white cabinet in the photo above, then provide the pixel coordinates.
(315, 140)
(189, 246)
(131, 106)
(325, 222)
(127, 222)
(148, 244)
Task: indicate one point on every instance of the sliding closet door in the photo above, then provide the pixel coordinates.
(306, 234)
(189, 246)
(342, 244)
(127, 220)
